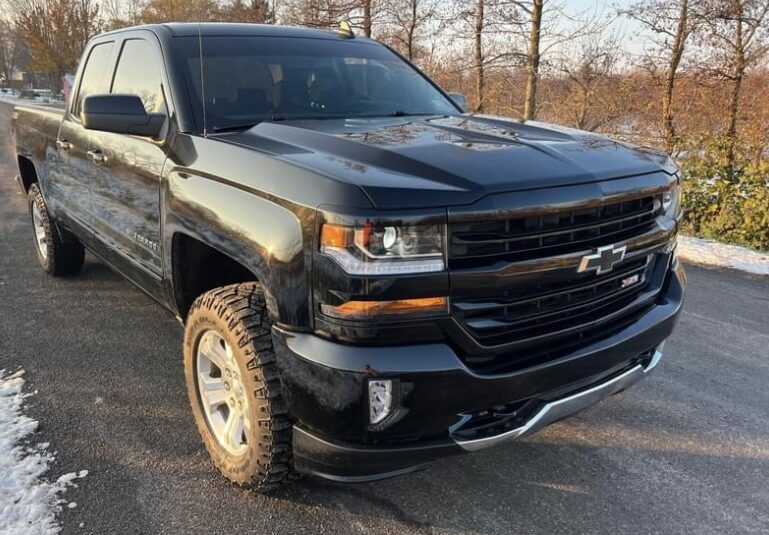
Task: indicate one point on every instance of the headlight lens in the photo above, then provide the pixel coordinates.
(671, 201)
(384, 250)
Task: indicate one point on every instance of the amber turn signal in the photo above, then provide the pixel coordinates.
(335, 236)
(369, 309)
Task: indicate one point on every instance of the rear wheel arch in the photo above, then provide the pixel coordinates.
(27, 172)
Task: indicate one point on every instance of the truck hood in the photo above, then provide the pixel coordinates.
(424, 162)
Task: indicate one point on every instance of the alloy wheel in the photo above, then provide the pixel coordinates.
(222, 393)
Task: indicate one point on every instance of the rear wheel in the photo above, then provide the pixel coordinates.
(58, 251)
(234, 389)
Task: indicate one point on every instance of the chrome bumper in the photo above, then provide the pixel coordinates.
(557, 410)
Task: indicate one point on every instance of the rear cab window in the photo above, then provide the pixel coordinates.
(138, 74)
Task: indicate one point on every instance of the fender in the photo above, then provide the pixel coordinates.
(235, 200)
(263, 236)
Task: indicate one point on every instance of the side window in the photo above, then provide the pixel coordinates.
(138, 74)
(95, 78)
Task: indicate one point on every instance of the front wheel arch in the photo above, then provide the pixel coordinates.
(199, 267)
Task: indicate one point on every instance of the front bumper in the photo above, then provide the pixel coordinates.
(439, 398)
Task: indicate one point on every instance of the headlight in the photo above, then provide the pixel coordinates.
(671, 201)
(384, 250)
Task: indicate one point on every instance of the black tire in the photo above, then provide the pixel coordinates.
(238, 314)
(62, 253)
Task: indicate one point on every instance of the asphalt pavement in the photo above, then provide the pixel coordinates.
(684, 451)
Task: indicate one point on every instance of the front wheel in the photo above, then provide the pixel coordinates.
(58, 251)
(234, 388)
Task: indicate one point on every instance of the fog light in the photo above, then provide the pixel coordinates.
(380, 399)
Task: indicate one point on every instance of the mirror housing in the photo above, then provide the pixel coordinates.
(460, 100)
(120, 114)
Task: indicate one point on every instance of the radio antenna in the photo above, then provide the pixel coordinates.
(202, 78)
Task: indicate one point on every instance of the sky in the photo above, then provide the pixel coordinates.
(631, 31)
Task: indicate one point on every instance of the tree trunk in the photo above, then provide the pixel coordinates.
(480, 84)
(668, 129)
(583, 108)
(367, 18)
(734, 103)
(412, 29)
(532, 67)
(731, 132)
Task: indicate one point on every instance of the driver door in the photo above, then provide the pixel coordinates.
(128, 169)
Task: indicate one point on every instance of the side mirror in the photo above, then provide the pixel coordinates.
(120, 114)
(460, 100)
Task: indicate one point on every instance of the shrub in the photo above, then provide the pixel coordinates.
(731, 207)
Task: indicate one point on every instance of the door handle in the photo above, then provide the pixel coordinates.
(63, 144)
(96, 156)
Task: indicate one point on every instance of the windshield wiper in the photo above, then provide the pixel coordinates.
(245, 126)
(403, 113)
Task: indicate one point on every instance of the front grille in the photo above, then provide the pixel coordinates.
(539, 235)
(516, 291)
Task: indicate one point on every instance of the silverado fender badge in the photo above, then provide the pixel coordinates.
(603, 260)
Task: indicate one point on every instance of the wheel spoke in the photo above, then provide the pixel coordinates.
(211, 349)
(233, 430)
(228, 355)
(212, 391)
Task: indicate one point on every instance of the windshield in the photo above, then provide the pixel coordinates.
(251, 79)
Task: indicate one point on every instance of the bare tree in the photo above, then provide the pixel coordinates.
(546, 25)
(121, 13)
(317, 13)
(481, 30)
(587, 66)
(671, 23)
(10, 51)
(407, 18)
(158, 11)
(254, 11)
(736, 42)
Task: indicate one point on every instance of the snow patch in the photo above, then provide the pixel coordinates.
(712, 253)
(28, 503)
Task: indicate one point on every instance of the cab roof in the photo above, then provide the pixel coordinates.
(190, 29)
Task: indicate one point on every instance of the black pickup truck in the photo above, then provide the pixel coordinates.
(369, 278)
